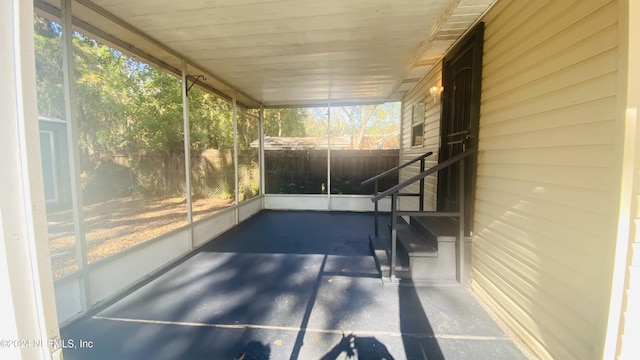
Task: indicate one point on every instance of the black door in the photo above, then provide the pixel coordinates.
(461, 76)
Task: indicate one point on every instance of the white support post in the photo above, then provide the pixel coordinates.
(27, 305)
(394, 237)
(329, 156)
(461, 203)
(401, 150)
(235, 156)
(187, 150)
(261, 153)
(72, 144)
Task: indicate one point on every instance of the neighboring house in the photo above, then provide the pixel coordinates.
(553, 108)
(302, 143)
(337, 143)
(387, 142)
(55, 160)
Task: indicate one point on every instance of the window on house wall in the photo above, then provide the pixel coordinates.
(212, 160)
(417, 124)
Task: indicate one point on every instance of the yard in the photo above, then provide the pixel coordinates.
(114, 225)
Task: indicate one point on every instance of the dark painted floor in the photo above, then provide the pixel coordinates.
(289, 285)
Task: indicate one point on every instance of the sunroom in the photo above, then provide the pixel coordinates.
(139, 136)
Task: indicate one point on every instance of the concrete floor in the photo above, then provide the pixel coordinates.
(289, 285)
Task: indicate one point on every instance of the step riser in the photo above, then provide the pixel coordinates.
(379, 248)
(430, 235)
(442, 267)
(428, 257)
(424, 231)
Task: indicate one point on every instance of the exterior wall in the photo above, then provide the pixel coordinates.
(626, 343)
(431, 138)
(546, 207)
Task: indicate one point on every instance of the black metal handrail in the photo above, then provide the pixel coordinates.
(454, 159)
(394, 192)
(375, 179)
(397, 168)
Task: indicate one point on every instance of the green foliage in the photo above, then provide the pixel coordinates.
(210, 120)
(131, 110)
(247, 129)
(126, 106)
(49, 82)
(288, 122)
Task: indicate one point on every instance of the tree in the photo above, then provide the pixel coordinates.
(48, 56)
(357, 122)
(285, 122)
(352, 121)
(210, 119)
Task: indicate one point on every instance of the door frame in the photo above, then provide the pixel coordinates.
(473, 41)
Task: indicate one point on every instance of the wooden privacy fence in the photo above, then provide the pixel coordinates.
(305, 171)
(154, 174)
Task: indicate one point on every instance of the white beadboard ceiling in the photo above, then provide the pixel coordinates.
(289, 52)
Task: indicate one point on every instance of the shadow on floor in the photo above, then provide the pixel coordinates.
(361, 348)
(418, 336)
(282, 285)
(254, 350)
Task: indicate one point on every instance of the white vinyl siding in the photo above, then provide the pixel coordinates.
(543, 210)
(630, 327)
(431, 139)
(627, 342)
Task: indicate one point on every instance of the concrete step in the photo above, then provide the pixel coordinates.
(445, 230)
(426, 250)
(381, 246)
(414, 243)
(436, 228)
(430, 257)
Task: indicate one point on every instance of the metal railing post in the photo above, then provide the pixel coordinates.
(421, 206)
(394, 203)
(461, 201)
(375, 191)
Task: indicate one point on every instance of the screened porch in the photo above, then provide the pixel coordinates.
(322, 179)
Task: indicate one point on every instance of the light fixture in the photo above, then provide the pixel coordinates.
(435, 91)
